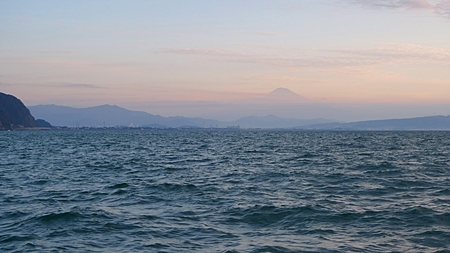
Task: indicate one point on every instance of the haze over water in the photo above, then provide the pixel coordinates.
(224, 191)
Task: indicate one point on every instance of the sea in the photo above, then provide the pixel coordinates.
(202, 190)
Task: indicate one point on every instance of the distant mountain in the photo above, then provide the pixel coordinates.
(285, 95)
(14, 114)
(419, 123)
(272, 121)
(111, 115)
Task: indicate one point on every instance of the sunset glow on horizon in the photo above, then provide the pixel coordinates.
(134, 53)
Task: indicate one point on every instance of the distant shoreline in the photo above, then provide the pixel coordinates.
(217, 129)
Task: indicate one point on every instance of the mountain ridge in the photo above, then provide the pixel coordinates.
(113, 115)
(438, 122)
(105, 115)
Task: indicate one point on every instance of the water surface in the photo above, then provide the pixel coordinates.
(224, 191)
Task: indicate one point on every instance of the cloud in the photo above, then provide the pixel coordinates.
(438, 7)
(392, 53)
(203, 52)
(56, 52)
(330, 58)
(443, 8)
(396, 4)
(70, 63)
(79, 85)
(260, 33)
(57, 85)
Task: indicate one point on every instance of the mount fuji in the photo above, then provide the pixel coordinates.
(285, 95)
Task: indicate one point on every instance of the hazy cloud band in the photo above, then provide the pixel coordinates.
(386, 54)
(439, 7)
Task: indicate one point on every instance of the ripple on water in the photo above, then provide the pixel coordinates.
(224, 191)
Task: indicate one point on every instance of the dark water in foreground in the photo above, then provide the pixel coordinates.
(224, 191)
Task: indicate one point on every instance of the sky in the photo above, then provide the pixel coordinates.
(157, 54)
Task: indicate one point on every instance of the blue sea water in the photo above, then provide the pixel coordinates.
(224, 191)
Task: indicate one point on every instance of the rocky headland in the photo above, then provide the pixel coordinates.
(14, 114)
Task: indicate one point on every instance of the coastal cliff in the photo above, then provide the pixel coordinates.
(14, 114)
